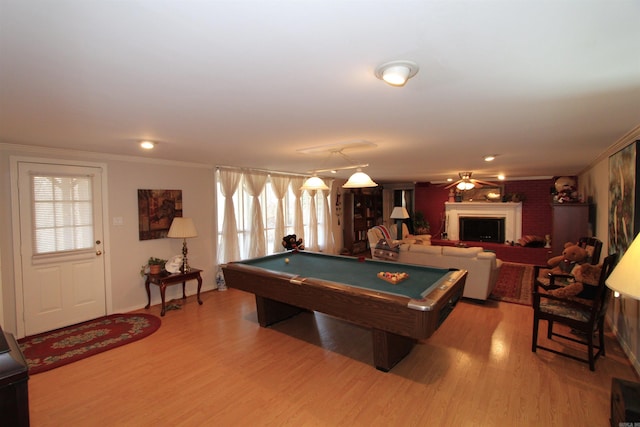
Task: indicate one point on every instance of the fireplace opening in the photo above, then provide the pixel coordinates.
(482, 229)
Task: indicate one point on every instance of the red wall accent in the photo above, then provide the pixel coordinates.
(536, 208)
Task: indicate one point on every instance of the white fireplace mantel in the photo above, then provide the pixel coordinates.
(510, 211)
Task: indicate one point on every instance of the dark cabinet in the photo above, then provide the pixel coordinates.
(570, 222)
(14, 374)
(362, 210)
(625, 403)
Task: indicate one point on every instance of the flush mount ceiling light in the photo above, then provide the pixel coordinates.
(396, 73)
(147, 145)
(490, 157)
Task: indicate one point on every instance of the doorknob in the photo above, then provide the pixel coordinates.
(98, 252)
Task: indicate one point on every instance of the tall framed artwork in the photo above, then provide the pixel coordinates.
(624, 195)
(156, 210)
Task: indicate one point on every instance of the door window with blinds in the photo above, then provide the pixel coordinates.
(62, 213)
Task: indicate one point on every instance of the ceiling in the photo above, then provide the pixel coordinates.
(547, 86)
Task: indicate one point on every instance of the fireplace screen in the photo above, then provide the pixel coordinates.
(482, 229)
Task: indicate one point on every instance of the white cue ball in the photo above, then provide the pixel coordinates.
(286, 260)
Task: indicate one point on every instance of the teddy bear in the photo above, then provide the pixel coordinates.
(585, 285)
(291, 242)
(572, 256)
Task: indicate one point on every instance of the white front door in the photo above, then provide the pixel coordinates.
(61, 242)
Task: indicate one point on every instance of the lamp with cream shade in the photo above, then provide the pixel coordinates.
(625, 280)
(399, 213)
(183, 228)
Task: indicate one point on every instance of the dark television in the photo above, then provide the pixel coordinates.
(485, 229)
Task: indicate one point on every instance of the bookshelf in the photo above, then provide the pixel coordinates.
(362, 210)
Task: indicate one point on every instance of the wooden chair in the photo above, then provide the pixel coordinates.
(593, 247)
(585, 317)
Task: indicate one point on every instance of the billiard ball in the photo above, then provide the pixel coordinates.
(286, 260)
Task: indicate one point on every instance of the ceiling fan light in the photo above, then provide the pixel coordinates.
(463, 186)
(359, 180)
(314, 183)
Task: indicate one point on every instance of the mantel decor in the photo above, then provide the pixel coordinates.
(156, 210)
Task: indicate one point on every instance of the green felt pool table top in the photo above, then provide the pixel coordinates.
(355, 272)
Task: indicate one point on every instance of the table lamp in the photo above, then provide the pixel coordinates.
(399, 213)
(183, 228)
(625, 277)
(625, 280)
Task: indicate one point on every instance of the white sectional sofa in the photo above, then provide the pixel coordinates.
(483, 267)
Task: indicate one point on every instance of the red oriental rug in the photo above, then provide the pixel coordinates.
(53, 349)
(515, 283)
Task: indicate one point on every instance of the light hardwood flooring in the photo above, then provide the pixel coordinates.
(213, 365)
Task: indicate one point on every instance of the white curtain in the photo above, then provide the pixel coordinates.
(312, 240)
(329, 242)
(279, 185)
(229, 249)
(254, 185)
(298, 222)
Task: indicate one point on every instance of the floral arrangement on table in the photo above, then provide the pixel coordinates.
(153, 266)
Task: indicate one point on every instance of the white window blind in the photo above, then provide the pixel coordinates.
(62, 213)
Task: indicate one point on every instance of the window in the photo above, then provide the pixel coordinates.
(242, 203)
(63, 213)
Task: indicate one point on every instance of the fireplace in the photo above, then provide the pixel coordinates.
(482, 229)
(510, 211)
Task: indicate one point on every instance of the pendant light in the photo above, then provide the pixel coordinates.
(359, 180)
(314, 183)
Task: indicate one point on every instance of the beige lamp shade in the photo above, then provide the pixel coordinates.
(625, 278)
(359, 180)
(182, 228)
(399, 212)
(314, 183)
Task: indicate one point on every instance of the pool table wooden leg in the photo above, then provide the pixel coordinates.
(389, 349)
(271, 311)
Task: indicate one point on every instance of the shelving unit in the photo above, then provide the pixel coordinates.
(570, 222)
(362, 210)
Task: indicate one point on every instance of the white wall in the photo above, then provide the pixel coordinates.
(624, 313)
(125, 175)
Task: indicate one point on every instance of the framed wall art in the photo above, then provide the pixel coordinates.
(156, 210)
(624, 212)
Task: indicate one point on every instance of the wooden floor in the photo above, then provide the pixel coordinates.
(213, 365)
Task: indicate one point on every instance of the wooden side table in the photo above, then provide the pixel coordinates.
(165, 279)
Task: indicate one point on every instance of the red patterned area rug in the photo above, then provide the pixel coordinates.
(515, 283)
(53, 349)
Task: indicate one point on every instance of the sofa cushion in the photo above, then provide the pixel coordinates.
(423, 239)
(424, 249)
(486, 255)
(461, 252)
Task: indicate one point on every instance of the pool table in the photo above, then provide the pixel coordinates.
(287, 283)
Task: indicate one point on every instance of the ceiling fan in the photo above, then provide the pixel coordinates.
(467, 183)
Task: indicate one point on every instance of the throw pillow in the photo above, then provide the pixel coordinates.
(384, 250)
